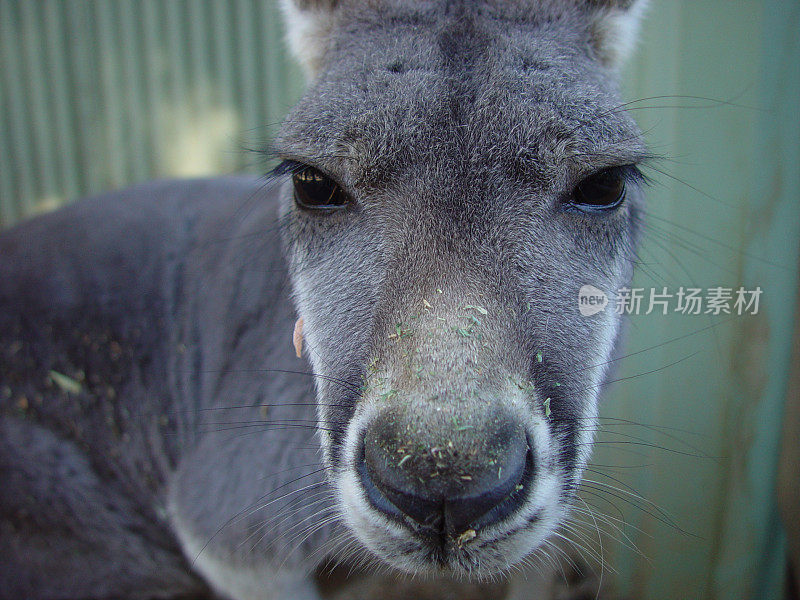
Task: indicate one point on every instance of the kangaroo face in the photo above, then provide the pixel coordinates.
(456, 174)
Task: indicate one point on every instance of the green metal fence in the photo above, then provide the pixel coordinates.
(724, 211)
(96, 95)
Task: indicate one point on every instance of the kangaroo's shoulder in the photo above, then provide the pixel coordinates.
(101, 246)
(96, 297)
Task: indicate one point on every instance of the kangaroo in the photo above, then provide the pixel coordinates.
(455, 173)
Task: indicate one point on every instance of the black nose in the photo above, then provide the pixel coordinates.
(448, 488)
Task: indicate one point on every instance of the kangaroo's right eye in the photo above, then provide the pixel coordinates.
(313, 190)
(601, 191)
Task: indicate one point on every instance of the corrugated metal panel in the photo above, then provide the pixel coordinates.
(723, 211)
(97, 95)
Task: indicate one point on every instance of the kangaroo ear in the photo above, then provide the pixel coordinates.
(614, 28)
(308, 25)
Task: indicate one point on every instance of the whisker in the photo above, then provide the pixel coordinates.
(241, 514)
(655, 346)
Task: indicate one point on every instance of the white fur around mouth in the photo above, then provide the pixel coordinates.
(481, 553)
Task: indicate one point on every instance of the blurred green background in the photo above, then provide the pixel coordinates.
(97, 95)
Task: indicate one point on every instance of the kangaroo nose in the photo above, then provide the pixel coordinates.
(464, 482)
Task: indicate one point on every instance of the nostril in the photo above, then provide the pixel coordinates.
(398, 504)
(456, 501)
(493, 499)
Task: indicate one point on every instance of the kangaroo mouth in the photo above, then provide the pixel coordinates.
(451, 516)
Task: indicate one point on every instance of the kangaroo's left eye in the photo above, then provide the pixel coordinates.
(313, 190)
(603, 190)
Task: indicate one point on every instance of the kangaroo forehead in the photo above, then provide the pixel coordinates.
(429, 13)
(468, 87)
(457, 45)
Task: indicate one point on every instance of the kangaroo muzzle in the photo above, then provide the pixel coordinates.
(449, 473)
(449, 454)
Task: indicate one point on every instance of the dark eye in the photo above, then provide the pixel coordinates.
(314, 190)
(603, 190)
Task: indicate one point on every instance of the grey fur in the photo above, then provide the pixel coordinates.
(458, 128)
